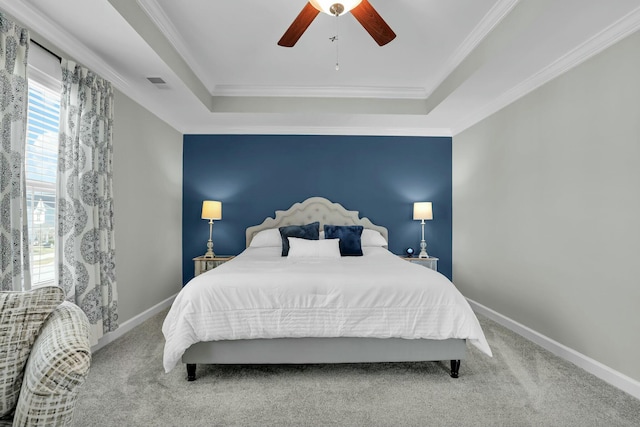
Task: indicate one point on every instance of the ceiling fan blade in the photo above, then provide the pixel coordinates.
(373, 23)
(299, 26)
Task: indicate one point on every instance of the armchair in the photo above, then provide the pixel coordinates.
(57, 365)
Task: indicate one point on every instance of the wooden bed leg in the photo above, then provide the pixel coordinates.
(191, 371)
(455, 368)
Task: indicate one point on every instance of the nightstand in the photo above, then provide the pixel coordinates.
(203, 264)
(430, 262)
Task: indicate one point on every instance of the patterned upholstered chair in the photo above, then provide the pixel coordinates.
(44, 357)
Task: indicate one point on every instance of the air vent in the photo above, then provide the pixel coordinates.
(156, 80)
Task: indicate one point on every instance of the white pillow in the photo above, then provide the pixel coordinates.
(266, 238)
(304, 248)
(372, 238)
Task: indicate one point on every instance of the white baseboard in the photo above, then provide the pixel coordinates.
(132, 323)
(605, 373)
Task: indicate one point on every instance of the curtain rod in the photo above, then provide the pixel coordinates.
(48, 50)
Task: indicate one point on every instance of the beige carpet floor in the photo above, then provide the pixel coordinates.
(522, 385)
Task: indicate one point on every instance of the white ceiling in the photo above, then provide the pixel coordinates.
(452, 63)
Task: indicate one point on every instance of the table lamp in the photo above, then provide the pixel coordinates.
(211, 209)
(422, 211)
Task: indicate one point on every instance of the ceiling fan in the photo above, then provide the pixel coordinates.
(360, 9)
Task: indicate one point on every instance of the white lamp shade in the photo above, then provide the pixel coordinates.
(211, 209)
(422, 210)
(325, 5)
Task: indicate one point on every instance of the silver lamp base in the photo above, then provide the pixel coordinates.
(209, 253)
(423, 250)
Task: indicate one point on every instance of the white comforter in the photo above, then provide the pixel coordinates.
(260, 294)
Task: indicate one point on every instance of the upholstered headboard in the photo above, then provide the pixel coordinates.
(315, 209)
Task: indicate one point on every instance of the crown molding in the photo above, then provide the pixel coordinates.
(31, 17)
(320, 92)
(617, 31)
(285, 129)
(158, 16)
(156, 13)
(496, 14)
(34, 19)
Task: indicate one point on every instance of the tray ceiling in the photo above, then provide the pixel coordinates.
(452, 63)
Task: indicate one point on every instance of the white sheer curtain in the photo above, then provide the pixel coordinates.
(86, 249)
(14, 244)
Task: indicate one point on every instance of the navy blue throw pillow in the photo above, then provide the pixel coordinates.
(309, 232)
(349, 235)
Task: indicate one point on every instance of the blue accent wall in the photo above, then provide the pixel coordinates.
(255, 175)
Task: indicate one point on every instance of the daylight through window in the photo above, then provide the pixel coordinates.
(41, 161)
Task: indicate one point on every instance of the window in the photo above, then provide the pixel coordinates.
(41, 162)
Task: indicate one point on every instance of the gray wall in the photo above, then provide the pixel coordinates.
(147, 181)
(546, 209)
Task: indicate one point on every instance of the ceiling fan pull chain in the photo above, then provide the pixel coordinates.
(337, 43)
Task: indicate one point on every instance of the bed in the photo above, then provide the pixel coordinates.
(314, 306)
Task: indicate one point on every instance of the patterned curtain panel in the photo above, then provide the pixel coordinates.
(14, 244)
(86, 257)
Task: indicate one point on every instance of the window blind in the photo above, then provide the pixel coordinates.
(41, 162)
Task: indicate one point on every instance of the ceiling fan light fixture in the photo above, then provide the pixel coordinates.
(361, 10)
(327, 6)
